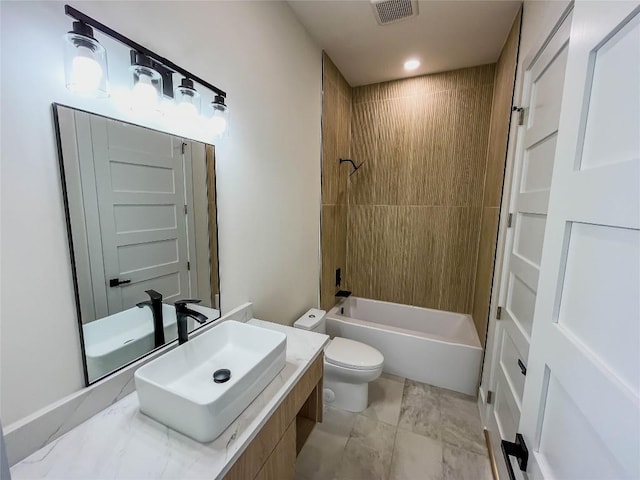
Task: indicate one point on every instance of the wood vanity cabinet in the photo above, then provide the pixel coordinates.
(271, 455)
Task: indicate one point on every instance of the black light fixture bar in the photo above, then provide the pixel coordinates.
(81, 17)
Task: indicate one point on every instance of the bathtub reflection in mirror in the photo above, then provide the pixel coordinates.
(141, 217)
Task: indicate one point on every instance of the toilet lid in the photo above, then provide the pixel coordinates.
(352, 354)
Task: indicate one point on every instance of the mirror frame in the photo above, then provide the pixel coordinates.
(72, 256)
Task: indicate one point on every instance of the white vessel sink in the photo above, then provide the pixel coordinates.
(178, 389)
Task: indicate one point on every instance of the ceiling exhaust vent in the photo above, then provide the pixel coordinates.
(391, 11)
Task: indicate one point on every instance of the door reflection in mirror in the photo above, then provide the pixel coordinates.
(141, 213)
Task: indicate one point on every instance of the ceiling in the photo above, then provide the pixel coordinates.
(445, 35)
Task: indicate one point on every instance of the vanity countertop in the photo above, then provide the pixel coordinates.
(121, 442)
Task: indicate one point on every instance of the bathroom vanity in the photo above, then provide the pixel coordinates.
(262, 443)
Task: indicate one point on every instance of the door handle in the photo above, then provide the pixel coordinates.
(116, 282)
(517, 449)
(523, 369)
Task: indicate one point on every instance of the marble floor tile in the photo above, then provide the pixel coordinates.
(461, 424)
(321, 455)
(367, 455)
(409, 431)
(385, 400)
(420, 412)
(459, 464)
(416, 457)
(336, 421)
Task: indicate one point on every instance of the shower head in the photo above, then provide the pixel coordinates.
(355, 167)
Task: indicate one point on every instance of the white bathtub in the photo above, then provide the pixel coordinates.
(429, 346)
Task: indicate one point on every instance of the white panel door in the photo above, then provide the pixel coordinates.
(581, 405)
(141, 201)
(535, 148)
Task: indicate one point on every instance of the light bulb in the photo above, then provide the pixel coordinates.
(185, 116)
(86, 74)
(145, 95)
(218, 125)
(411, 64)
(186, 110)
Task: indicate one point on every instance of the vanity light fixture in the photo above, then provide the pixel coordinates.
(86, 71)
(219, 120)
(187, 99)
(85, 62)
(147, 82)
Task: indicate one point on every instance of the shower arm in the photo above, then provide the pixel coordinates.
(355, 167)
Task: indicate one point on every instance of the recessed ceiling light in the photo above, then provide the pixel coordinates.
(411, 64)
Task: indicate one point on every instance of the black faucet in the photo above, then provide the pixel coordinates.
(155, 304)
(182, 313)
(343, 294)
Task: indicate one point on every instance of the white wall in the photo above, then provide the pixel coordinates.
(268, 171)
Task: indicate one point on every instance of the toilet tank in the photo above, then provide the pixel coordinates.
(313, 320)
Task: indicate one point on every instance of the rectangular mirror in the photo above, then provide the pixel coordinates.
(141, 217)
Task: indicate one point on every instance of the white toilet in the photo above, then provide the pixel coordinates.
(349, 366)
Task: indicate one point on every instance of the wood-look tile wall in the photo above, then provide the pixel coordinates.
(336, 139)
(496, 156)
(414, 214)
(417, 224)
(210, 158)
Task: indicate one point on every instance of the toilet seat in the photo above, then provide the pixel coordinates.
(354, 355)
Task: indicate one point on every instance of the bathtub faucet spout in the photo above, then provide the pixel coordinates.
(343, 294)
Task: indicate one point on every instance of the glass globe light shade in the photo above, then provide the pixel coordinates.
(187, 99)
(147, 88)
(85, 63)
(219, 119)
